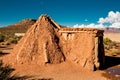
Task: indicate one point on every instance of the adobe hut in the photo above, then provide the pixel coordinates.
(47, 42)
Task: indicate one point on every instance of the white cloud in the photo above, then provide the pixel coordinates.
(101, 20)
(115, 25)
(80, 26)
(92, 25)
(113, 19)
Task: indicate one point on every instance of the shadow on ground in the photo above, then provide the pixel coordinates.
(3, 54)
(111, 68)
(5, 73)
(111, 61)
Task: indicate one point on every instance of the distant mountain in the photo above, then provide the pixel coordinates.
(112, 30)
(19, 27)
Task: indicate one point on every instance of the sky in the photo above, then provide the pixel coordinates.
(72, 13)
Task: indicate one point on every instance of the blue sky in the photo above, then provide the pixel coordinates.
(65, 12)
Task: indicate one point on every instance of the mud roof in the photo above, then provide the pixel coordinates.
(80, 29)
(46, 17)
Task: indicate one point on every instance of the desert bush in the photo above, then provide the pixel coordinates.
(2, 37)
(113, 52)
(15, 39)
(107, 41)
(111, 47)
(7, 39)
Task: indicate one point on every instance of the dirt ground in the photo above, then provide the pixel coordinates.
(63, 71)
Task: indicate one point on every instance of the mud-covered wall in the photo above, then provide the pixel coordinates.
(82, 48)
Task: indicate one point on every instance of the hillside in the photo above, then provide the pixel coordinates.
(111, 30)
(19, 27)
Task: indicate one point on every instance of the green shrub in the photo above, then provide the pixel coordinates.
(15, 39)
(107, 41)
(9, 38)
(2, 37)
